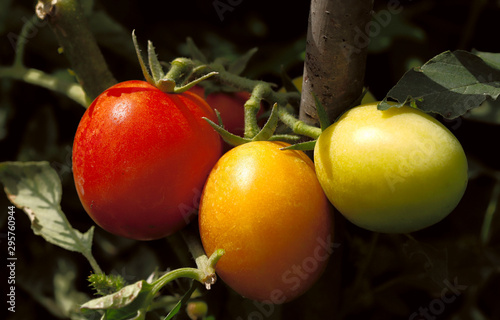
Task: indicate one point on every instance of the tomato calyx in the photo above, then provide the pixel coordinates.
(173, 81)
(184, 73)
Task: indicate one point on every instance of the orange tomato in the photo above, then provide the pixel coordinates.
(266, 209)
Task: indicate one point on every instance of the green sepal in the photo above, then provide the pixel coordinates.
(303, 146)
(227, 136)
(194, 82)
(219, 118)
(322, 114)
(154, 63)
(270, 127)
(144, 69)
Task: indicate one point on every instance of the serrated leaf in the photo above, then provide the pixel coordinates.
(36, 188)
(181, 302)
(449, 84)
(237, 66)
(303, 146)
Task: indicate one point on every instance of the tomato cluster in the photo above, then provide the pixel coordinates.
(145, 162)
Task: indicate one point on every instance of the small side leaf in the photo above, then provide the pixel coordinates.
(195, 52)
(181, 302)
(36, 188)
(237, 66)
(449, 84)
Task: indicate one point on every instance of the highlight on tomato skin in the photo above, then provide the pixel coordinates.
(141, 158)
(265, 207)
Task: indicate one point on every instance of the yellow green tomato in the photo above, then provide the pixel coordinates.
(393, 171)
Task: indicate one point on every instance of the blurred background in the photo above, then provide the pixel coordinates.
(382, 276)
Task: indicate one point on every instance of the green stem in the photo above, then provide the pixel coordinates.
(40, 78)
(252, 107)
(206, 266)
(191, 273)
(23, 39)
(298, 126)
(490, 213)
(93, 262)
(70, 26)
(180, 70)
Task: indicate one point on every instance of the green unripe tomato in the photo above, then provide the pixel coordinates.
(393, 171)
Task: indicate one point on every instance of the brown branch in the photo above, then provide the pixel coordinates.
(67, 21)
(335, 56)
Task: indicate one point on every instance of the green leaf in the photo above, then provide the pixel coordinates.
(131, 302)
(385, 104)
(449, 84)
(237, 66)
(36, 188)
(492, 59)
(120, 299)
(181, 302)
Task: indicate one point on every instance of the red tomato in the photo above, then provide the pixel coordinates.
(141, 157)
(230, 106)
